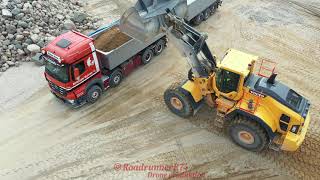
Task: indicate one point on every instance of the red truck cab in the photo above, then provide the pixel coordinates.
(71, 60)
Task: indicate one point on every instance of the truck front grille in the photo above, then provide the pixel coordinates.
(57, 89)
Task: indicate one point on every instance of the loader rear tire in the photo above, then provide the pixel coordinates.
(177, 102)
(248, 134)
(147, 56)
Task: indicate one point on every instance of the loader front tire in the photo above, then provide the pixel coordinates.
(248, 134)
(177, 102)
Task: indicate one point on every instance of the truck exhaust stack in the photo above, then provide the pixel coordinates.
(145, 20)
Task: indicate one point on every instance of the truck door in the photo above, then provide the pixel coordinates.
(80, 65)
(227, 83)
(86, 66)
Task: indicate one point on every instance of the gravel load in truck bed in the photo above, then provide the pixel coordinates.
(111, 39)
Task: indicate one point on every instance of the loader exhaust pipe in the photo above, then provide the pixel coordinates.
(146, 19)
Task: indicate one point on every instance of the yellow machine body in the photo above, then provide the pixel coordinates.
(267, 110)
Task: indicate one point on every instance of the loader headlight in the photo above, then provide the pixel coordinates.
(295, 129)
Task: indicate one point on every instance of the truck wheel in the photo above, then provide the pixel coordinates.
(94, 94)
(198, 19)
(248, 134)
(160, 45)
(206, 14)
(147, 56)
(115, 78)
(213, 9)
(177, 102)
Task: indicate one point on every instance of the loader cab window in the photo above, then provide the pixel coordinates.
(227, 81)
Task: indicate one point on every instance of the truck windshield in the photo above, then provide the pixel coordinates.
(58, 72)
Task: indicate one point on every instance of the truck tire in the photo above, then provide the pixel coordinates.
(198, 19)
(206, 14)
(248, 134)
(159, 47)
(147, 56)
(177, 102)
(94, 94)
(115, 78)
(213, 9)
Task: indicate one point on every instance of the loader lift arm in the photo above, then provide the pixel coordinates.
(191, 43)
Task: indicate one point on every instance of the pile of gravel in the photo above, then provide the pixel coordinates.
(28, 25)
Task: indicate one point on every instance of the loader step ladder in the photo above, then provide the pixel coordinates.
(223, 106)
(267, 68)
(219, 120)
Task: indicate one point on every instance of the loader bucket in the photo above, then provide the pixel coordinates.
(146, 19)
(132, 24)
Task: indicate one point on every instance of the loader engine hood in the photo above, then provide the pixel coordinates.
(280, 92)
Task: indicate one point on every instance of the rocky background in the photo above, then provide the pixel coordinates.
(28, 25)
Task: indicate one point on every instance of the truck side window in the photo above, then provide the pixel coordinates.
(227, 81)
(80, 66)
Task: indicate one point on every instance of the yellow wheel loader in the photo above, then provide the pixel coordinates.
(256, 110)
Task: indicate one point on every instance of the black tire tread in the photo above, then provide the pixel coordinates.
(163, 42)
(112, 76)
(175, 88)
(253, 125)
(143, 54)
(94, 87)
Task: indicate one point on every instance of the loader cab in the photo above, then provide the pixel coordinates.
(232, 73)
(228, 83)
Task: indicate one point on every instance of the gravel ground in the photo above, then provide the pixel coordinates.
(43, 139)
(18, 84)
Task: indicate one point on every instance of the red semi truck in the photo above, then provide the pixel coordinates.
(78, 67)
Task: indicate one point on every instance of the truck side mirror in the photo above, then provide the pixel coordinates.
(76, 73)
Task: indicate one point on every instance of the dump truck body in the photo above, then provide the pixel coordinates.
(196, 7)
(127, 47)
